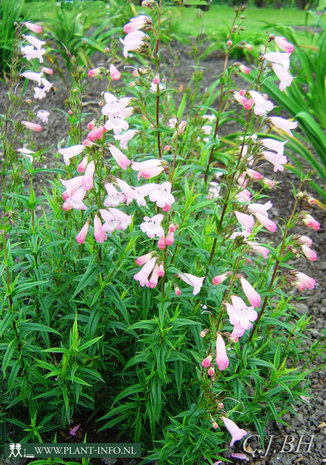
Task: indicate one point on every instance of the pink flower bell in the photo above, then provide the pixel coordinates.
(148, 169)
(144, 258)
(33, 27)
(236, 432)
(119, 157)
(283, 75)
(81, 236)
(192, 280)
(310, 254)
(136, 23)
(143, 274)
(222, 360)
(206, 362)
(283, 44)
(114, 73)
(252, 295)
(70, 152)
(99, 234)
(32, 126)
(220, 278)
(310, 221)
(262, 106)
(133, 42)
(283, 124)
(88, 176)
(303, 281)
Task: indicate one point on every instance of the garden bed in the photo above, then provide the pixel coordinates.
(308, 420)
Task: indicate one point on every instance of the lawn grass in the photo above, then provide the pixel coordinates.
(191, 21)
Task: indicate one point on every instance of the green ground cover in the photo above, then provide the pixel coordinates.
(190, 21)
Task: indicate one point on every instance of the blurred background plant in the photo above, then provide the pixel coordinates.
(305, 99)
(11, 13)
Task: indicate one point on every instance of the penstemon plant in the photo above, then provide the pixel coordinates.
(172, 292)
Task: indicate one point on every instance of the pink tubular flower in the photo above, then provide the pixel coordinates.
(33, 27)
(177, 291)
(94, 72)
(169, 240)
(125, 138)
(244, 69)
(222, 360)
(148, 169)
(47, 70)
(99, 234)
(153, 280)
(133, 42)
(161, 271)
(252, 295)
(262, 106)
(283, 75)
(283, 124)
(76, 200)
(39, 93)
(88, 176)
(37, 43)
(260, 207)
(161, 242)
(194, 281)
(161, 195)
(269, 183)
(81, 236)
(305, 240)
(143, 274)
(32, 126)
(96, 134)
(220, 278)
(275, 159)
(30, 53)
(82, 165)
(119, 157)
(70, 152)
(263, 251)
(240, 98)
(110, 223)
(136, 23)
(303, 281)
(254, 174)
(279, 58)
(236, 432)
(266, 222)
(210, 372)
(206, 362)
(33, 76)
(310, 254)
(246, 221)
(127, 190)
(43, 115)
(114, 197)
(310, 221)
(240, 456)
(114, 73)
(123, 219)
(275, 145)
(71, 186)
(144, 258)
(283, 44)
(152, 226)
(240, 316)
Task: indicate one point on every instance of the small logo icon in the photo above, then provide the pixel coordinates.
(15, 450)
